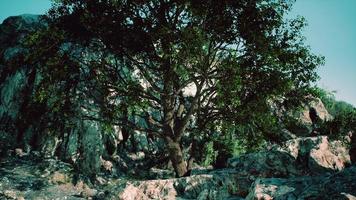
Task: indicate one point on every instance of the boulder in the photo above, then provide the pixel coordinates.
(30, 177)
(317, 155)
(222, 184)
(341, 185)
(305, 121)
(266, 164)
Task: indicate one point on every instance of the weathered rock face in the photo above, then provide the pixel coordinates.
(33, 178)
(308, 118)
(341, 185)
(280, 173)
(274, 174)
(222, 184)
(81, 144)
(301, 156)
(318, 155)
(13, 81)
(266, 164)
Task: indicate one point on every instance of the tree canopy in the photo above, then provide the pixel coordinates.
(180, 66)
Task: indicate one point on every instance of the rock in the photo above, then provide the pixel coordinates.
(121, 163)
(341, 185)
(31, 178)
(132, 193)
(161, 173)
(221, 184)
(59, 178)
(22, 126)
(10, 194)
(19, 152)
(49, 144)
(13, 80)
(308, 118)
(317, 155)
(107, 165)
(266, 164)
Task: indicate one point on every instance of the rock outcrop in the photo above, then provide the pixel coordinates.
(341, 185)
(301, 169)
(306, 120)
(24, 123)
(221, 185)
(274, 174)
(318, 155)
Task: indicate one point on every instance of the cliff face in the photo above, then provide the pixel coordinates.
(23, 122)
(14, 80)
(86, 144)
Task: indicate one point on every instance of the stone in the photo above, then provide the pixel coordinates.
(49, 144)
(19, 152)
(341, 185)
(107, 165)
(10, 194)
(308, 119)
(221, 184)
(317, 155)
(82, 141)
(132, 193)
(265, 164)
(59, 178)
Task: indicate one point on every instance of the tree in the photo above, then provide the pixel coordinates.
(234, 56)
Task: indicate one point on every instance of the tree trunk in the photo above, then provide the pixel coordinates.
(176, 156)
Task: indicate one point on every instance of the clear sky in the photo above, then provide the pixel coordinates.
(331, 33)
(19, 7)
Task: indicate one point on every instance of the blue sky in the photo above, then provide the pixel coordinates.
(18, 7)
(331, 33)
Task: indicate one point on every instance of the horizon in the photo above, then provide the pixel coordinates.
(330, 33)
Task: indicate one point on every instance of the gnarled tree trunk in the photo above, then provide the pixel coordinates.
(176, 156)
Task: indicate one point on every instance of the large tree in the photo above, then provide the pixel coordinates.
(140, 58)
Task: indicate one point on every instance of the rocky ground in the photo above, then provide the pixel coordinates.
(302, 168)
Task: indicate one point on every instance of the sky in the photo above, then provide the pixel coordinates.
(331, 32)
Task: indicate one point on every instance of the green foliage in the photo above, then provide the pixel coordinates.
(209, 154)
(333, 106)
(233, 140)
(137, 57)
(344, 115)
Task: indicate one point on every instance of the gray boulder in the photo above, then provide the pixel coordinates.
(266, 164)
(222, 184)
(317, 155)
(341, 185)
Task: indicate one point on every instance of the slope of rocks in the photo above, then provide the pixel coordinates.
(316, 168)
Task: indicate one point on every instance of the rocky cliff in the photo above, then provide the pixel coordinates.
(24, 122)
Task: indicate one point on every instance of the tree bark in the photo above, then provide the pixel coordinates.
(176, 156)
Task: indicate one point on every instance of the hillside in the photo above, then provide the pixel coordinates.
(58, 144)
